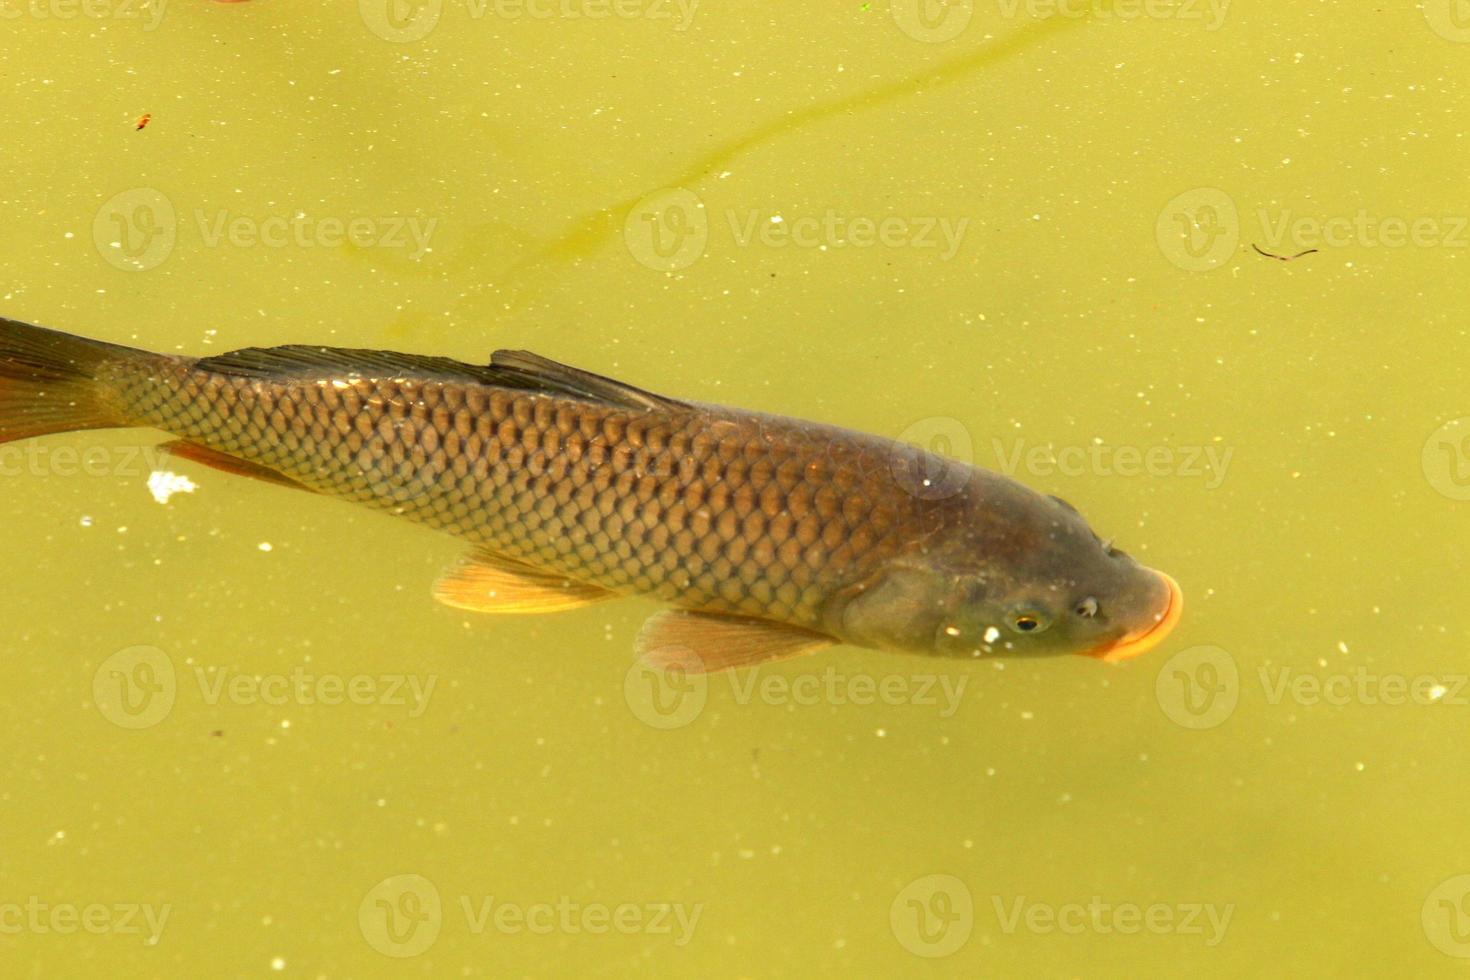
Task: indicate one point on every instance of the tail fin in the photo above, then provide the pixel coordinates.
(49, 381)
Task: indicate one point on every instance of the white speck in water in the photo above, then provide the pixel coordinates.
(1437, 691)
(991, 634)
(278, 964)
(881, 732)
(86, 521)
(264, 546)
(163, 484)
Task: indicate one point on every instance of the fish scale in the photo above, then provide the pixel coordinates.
(707, 508)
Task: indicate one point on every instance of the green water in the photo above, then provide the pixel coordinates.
(1010, 233)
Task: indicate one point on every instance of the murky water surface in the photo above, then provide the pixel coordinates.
(243, 741)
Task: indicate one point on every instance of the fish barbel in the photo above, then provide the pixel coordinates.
(771, 536)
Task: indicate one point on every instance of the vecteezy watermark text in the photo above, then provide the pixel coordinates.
(933, 916)
(1201, 229)
(39, 917)
(408, 232)
(833, 230)
(1200, 687)
(1100, 459)
(137, 688)
(148, 12)
(670, 697)
(406, 21)
(31, 459)
(670, 230)
(1210, 13)
(137, 230)
(403, 915)
(1103, 917)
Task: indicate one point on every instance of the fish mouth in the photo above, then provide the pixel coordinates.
(1141, 641)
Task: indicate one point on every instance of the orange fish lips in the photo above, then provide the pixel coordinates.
(1141, 641)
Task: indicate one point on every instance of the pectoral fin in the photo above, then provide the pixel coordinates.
(706, 642)
(490, 583)
(225, 463)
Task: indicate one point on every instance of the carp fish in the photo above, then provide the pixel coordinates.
(770, 537)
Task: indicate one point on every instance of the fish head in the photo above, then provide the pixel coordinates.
(1020, 574)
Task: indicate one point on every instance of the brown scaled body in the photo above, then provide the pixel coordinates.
(772, 536)
(698, 506)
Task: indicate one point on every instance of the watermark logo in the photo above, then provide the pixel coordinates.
(668, 230)
(148, 12)
(1446, 917)
(674, 696)
(401, 21)
(401, 916)
(1199, 687)
(1450, 19)
(1199, 230)
(669, 696)
(933, 916)
(932, 21)
(136, 230)
(135, 688)
(933, 458)
(138, 687)
(1446, 459)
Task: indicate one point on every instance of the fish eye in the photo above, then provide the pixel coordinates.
(1087, 608)
(1028, 622)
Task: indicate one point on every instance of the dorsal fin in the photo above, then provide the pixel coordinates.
(306, 360)
(522, 369)
(517, 369)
